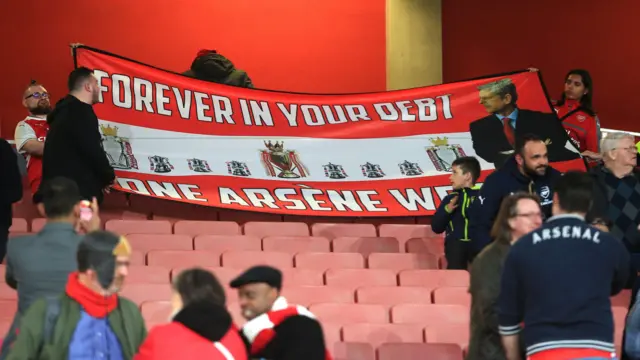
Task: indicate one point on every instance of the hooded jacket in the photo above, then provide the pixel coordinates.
(500, 184)
(198, 331)
(73, 148)
(10, 183)
(213, 67)
(455, 223)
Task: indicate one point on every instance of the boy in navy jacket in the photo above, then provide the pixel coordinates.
(528, 171)
(558, 280)
(452, 214)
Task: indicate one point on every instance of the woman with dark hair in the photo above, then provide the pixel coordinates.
(200, 327)
(519, 214)
(575, 110)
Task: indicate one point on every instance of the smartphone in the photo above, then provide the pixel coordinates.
(85, 210)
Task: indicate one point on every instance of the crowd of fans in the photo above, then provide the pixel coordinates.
(545, 251)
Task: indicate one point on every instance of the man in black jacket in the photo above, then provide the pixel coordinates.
(494, 136)
(73, 148)
(10, 191)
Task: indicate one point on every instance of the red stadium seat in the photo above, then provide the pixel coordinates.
(3, 270)
(307, 295)
(405, 232)
(247, 259)
(302, 277)
(398, 262)
(429, 315)
(448, 334)
(365, 245)
(139, 226)
(352, 351)
(324, 261)
(194, 227)
(378, 334)
(350, 313)
(408, 351)
(431, 245)
(393, 295)
(222, 243)
(242, 217)
(434, 278)
(138, 258)
(360, 277)
(452, 295)
(623, 299)
(155, 312)
(8, 309)
(19, 234)
(139, 293)
(296, 244)
(332, 333)
(332, 231)
(7, 293)
(619, 320)
(264, 229)
(148, 242)
(183, 258)
(147, 275)
(19, 225)
(37, 224)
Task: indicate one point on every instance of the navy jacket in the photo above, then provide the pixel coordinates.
(500, 184)
(558, 279)
(456, 223)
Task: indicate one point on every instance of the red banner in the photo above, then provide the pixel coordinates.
(376, 154)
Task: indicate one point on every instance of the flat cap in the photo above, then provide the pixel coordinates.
(259, 274)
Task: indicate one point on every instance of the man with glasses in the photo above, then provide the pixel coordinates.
(32, 131)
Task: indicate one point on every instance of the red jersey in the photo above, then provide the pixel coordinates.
(32, 128)
(583, 129)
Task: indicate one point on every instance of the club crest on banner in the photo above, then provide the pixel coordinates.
(197, 165)
(238, 168)
(117, 148)
(160, 164)
(443, 154)
(334, 171)
(372, 170)
(282, 163)
(408, 168)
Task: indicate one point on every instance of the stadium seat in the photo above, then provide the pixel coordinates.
(398, 262)
(378, 334)
(310, 220)
(360, 277)
(139, 226)
(302, 277)
(623, 299)
(139, 293)
(246, 259)
(147, 275)
(19, 225)
(106, 215)
(352, 351)
(414, 351)
(296, 244)
(222, 243)
(223, 274)
(332, 231)
(19, 234)
(365, 245)
(182, 258)
(8, 309)
(148, 242)
(155, 312)
(448, 334)
(332, 333)
(3, 270)
(350, 313)
(405, 232)
(429, 315)
(115, 200)
(263, 229)
(137, 258)
(242, 217)
(194, 227)
(432, 245)
(619, 321)
(452, 295)
(7, 293)
(434, 278)
(393, 295)
(37, 224)
(307, 295)
(324, 261)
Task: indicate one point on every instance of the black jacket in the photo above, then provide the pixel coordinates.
(10, 183)
(489, 139)
(73, 148)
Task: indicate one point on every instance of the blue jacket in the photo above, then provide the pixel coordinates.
(500, 184)
(455, 223)
(558, 280)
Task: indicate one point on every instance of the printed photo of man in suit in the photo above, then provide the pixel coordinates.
(494, 135)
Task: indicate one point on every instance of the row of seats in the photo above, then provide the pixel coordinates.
(396, 351)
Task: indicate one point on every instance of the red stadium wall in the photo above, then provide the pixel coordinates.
(491, 37)
(328, 46)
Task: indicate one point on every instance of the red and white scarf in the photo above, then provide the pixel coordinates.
(260, 330)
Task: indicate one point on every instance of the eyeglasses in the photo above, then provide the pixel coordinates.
(628, 148)
(38, 95)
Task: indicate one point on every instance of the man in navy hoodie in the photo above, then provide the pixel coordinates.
(452, 214)
(558, 280)
(529, 171)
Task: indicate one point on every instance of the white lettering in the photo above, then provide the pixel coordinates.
(139, 186)
(314, 204)
(329, 114)
(187, 191)
(291, 114)
(413, 200)
(163, 190)
(184, 104)
(121, 88)
(143, 97)
(386, 111)
(260, 198)
(370, 204)
(261, 113)
(357, 112)
(281, 194)
(228, 196)
(99, 75)
(312, 115)
(221, 113)
(343, 199)
(162, 99)
(201, 107)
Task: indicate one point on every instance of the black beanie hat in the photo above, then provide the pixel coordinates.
(98, 251)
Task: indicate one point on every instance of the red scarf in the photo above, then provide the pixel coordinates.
(96, 305)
